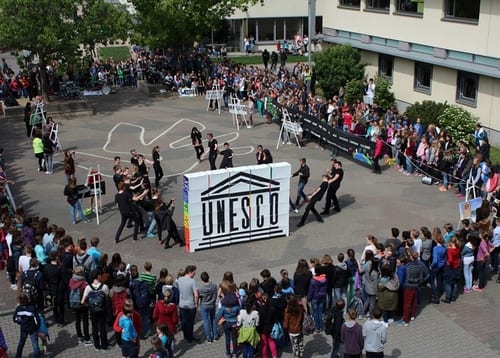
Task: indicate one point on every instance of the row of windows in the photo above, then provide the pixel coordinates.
(453, 9)
(467, 83)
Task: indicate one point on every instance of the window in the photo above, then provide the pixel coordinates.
(378, 5)
(385, 66)
(467, 85)
(293, 26)
(352, 3)
(280, 29)
(423, 77)
(266, 30)
(462, 9)
(410, 6)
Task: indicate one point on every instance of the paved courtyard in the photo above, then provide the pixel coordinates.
(371, 205)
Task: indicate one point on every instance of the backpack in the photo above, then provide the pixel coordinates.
(357, 305)
(140, 293)
(30, 287)
(86, 272)
(118, 301)
(75, 298)
(308, 324)
(277, 332)
(97, 299)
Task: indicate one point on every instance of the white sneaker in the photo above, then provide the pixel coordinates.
(390, 320)
(13, 287)
(296, 211)
(412, 318)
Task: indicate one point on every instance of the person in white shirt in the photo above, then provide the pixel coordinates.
(417, 242)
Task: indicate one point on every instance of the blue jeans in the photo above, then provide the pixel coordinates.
(34, 343)
(152, 221)
(445, 178)
(188, 316)
(409, 165)
(248, 350)
(209, 323)
(451, 286)
(74, 209)
(437, 282)
(468, 276)
(318, 307)
(49, 165)
(300, 192)
(145, 313)
(231, 337)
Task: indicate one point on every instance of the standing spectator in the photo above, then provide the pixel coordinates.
(267, 318)
(212, 150)
(341, 279)
(69, 164)
(387, 296)
(71, 192)
(165, 312)
(128, 334)
(95, 296)
(3, 345)
(265, 58)
(335, 320)
(303, 173)
(27, 119)
(351, 335)
(370, 283)
(157, 165)
(33, 283)
(228, 314)
(413, 278)
(437, 266)
(38, 149)
(78, 282)
(48, 152)
(317, 296)
(26, 315)
(302, 280)
(208, 298)
(292, 323)
(313, 199)
(94, 252)
(248, 320)
(452, 270)
(482, 256)
(375, 335)
(141, 295)
(197, 143)
(53, 276)
(378, 154)
(188, 301)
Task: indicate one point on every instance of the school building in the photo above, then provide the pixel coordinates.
(441, 50)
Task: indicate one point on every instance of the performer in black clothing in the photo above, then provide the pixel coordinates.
(212, 150)
(196, 140)
(313, 199)
(157, 165)
(334, 180)
(303, 174)
(260, 154)
(128, 209)
(227, 157)
(169, 223)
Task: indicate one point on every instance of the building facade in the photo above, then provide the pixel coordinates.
(441, 50)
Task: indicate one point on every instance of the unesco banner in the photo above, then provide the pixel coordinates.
(228, 206)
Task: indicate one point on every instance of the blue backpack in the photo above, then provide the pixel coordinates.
(140, 293)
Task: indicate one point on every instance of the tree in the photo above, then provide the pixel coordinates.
(55, 29)
(175, 23)
(427, 111)
(384, 97)
(459, 123)
(336, 66)
(353, 91)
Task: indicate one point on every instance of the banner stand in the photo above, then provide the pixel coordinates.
(287, 127)
(215, 94)
(237, 109)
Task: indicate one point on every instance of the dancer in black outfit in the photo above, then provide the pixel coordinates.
(212, 150)
(157, 165)
(128, 209)
(313, 199)
(197, 144)
(334, 180)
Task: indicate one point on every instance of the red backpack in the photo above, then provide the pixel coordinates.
(118, 301)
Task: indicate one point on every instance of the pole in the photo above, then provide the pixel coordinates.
(311, 24)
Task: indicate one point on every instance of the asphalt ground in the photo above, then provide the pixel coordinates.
(371, 204)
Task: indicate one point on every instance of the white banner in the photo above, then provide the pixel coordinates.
(227, 206)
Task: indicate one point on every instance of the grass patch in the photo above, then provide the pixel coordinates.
(495, 155)
(118, 53)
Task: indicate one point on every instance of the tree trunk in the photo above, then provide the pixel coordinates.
(44, 81)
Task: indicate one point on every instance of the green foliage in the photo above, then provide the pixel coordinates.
(175, 23)
(118, 53)
(459, 122)
(353, 90)
(336, 65)
(427, 111)
(54, 29)
(384, 97)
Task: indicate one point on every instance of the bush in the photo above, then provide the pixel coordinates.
(459, 123)
(427, 111)
(384, 97)
(353, 90)
(337, 65)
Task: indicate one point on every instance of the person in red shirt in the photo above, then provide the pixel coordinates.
(378, 154)
(451, 270)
